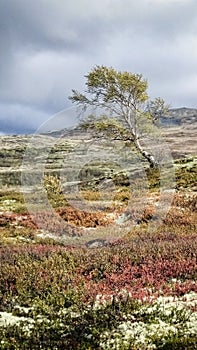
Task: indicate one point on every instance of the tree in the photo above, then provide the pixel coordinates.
(124, 97)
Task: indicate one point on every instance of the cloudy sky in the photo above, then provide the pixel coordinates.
(46, 47)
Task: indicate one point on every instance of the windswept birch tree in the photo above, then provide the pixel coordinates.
(127, 113)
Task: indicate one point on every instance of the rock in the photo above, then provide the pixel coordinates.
(123, 218)
(96, 243)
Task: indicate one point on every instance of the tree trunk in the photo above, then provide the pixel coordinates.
(145, 154)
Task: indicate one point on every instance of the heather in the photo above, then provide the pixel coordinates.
(135, 292)
(138, 293)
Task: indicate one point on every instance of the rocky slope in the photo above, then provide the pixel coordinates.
(178, 130)
(180, 116)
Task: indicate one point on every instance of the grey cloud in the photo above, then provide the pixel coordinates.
(48, 46)
(16, 118)
(79, 25)
(74, 24)
(37, 25)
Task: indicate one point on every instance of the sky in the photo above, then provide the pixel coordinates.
(47, 46)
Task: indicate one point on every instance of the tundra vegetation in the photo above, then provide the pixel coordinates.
(138, 292)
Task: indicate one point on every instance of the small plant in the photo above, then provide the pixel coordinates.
(52, 185)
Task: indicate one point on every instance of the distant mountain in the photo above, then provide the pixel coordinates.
(179, 116)
(76, 132)
(175, 117)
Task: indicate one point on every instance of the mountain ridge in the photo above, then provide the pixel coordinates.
(176, 116)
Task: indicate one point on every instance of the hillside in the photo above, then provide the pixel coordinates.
(178, 131)
(180, 116)
(91, 258)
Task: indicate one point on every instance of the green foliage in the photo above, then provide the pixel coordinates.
(12, 200)
(122, 93)
(52, 185)
(106, 127)
(106, 85)
(157, 108)
(186, 174)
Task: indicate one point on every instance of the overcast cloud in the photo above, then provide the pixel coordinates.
(47, 46)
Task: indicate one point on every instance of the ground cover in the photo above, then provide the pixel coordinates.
(138, 292)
